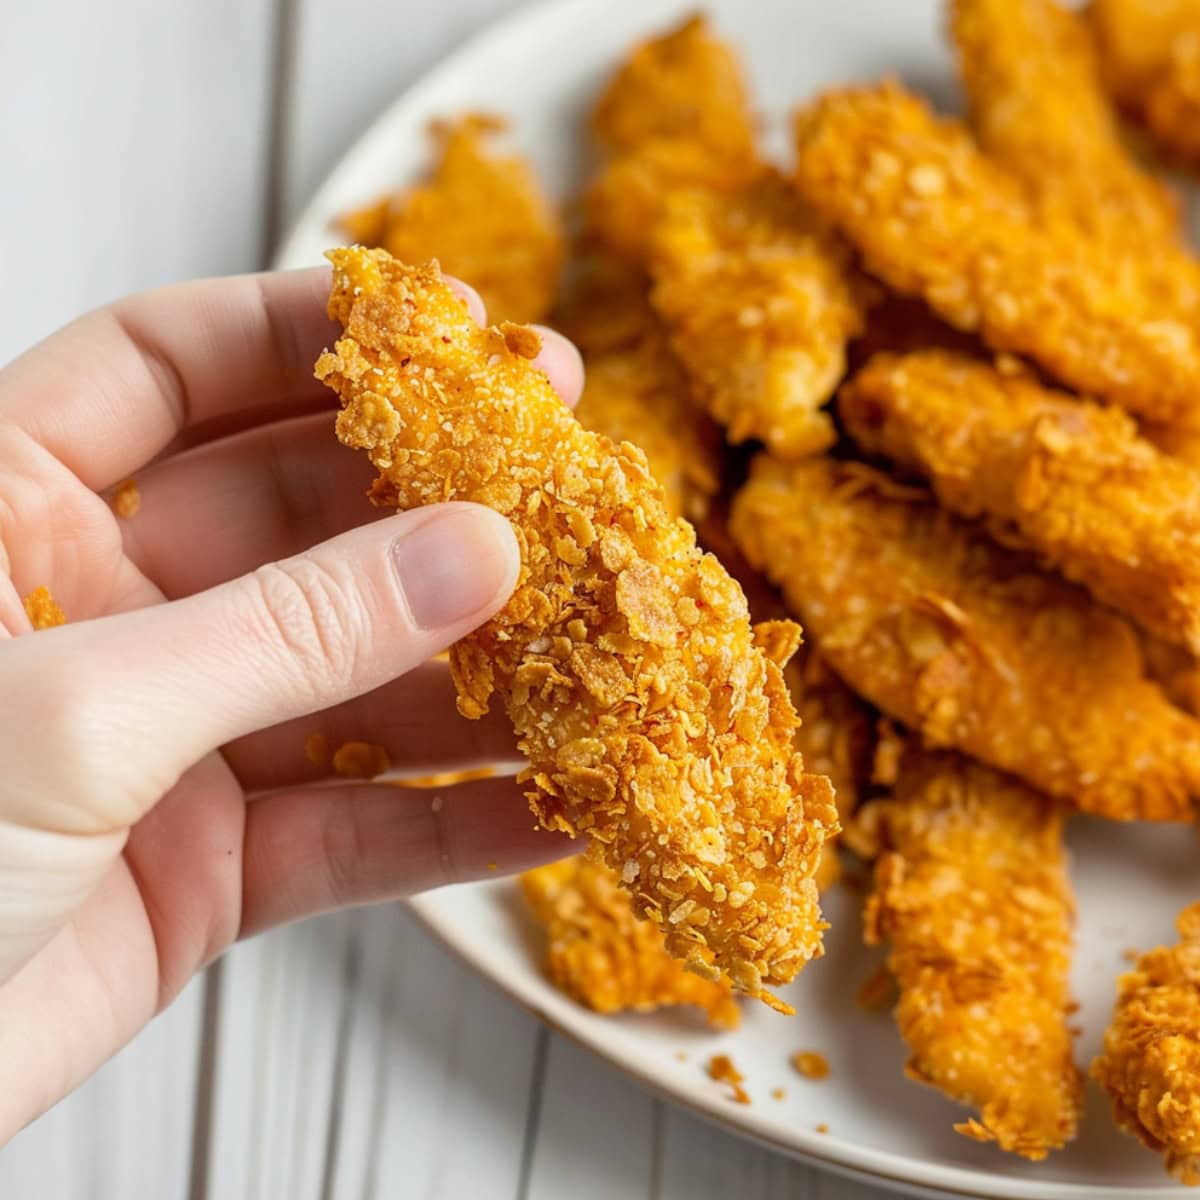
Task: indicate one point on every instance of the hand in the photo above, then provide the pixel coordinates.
(155, 798)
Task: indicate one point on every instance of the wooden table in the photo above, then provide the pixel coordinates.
(145, 141)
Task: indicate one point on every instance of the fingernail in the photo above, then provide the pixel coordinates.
(562, 363)
(458, 563)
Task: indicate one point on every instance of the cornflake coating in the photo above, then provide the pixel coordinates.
(651, 721)
(966, 642)
(760, 303)
(1067, 478)
(641, 395)
(484, 217)
(933, 217)
(603, 955)
(1037, 107)
(1150, 55)
(42, 609)
(1150, 1066)
(972, 898)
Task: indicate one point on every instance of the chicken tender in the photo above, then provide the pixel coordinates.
(1038, 108)
(1150, 55)
(966, 642)
(652, 722)
(972, 898)
(641, 395)
(1069, 479)
(1150, 1066)
(934, 218)
(484, 217)
(760, 302)
(600, 953)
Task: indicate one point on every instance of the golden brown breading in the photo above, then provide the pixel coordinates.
(600, 953)
(1150, 55)
(760, 303)
(966, 642)
(1038, 108)
(972, 897)
(683, 85)
(483, 216)
(42, 609)
(1067, 478)
(1150, 1066)
(933, 217)
(675, 115)
(1175, 670)
(651, 721)
(641, 395)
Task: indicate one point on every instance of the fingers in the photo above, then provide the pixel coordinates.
(562, 363)
(123, 705)
(317, 849)
(110, 391)
(414, 718)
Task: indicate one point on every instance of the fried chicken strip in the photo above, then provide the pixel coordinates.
(966, 642)
(1150, 54)
(600, 953)
(651, 721)
(1070, 479)
(1150, 1066)
(972, 898)
(933, 217)
(483, 216)
(1038, 108)
(761, 303)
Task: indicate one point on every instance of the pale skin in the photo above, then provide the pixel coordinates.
(156, 802)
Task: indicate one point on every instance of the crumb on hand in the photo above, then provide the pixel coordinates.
(360, 760)
(42, 609)
(127, 500)
(316, 749)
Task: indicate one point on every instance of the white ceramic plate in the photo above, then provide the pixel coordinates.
(542, 68)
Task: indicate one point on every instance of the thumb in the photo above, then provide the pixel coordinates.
(122, 706)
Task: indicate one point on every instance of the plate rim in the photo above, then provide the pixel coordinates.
(915, 1176)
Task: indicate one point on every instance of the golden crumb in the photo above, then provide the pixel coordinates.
(492, 866)
(127, 500)
(1150, 1065)
(42, 609)
(821, 1128)
(810, 1064)
(681, 1055)
(360, 760)
(721, 1068)
(316, 749)
(778, 1093)
(625, 657)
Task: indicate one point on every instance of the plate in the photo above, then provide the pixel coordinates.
(542, 68)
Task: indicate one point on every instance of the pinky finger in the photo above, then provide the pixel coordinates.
(311, 850)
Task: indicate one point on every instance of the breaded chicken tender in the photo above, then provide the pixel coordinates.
(1150, 55)
(1038, 108)
(760, 302)
(484, 217)
(600, 953)
(972, 898)
(651, 720)
(641, 395)
(966, 642)
(1070, 479)
(675, 115)
(933, 217)
(1150, 1066)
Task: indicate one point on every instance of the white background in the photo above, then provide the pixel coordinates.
(144, 141)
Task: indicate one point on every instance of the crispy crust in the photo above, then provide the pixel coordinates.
(1150, 1066)
(1150, 55)
(972, 898)
(760, 302)
(600, 953)
(483, 216)
(651, 721)
(933, 217)
(966, 642)
(1070, 479)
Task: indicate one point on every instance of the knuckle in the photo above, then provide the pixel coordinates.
(314, 615)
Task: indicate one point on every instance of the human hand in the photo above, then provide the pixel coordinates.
(155, 798)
